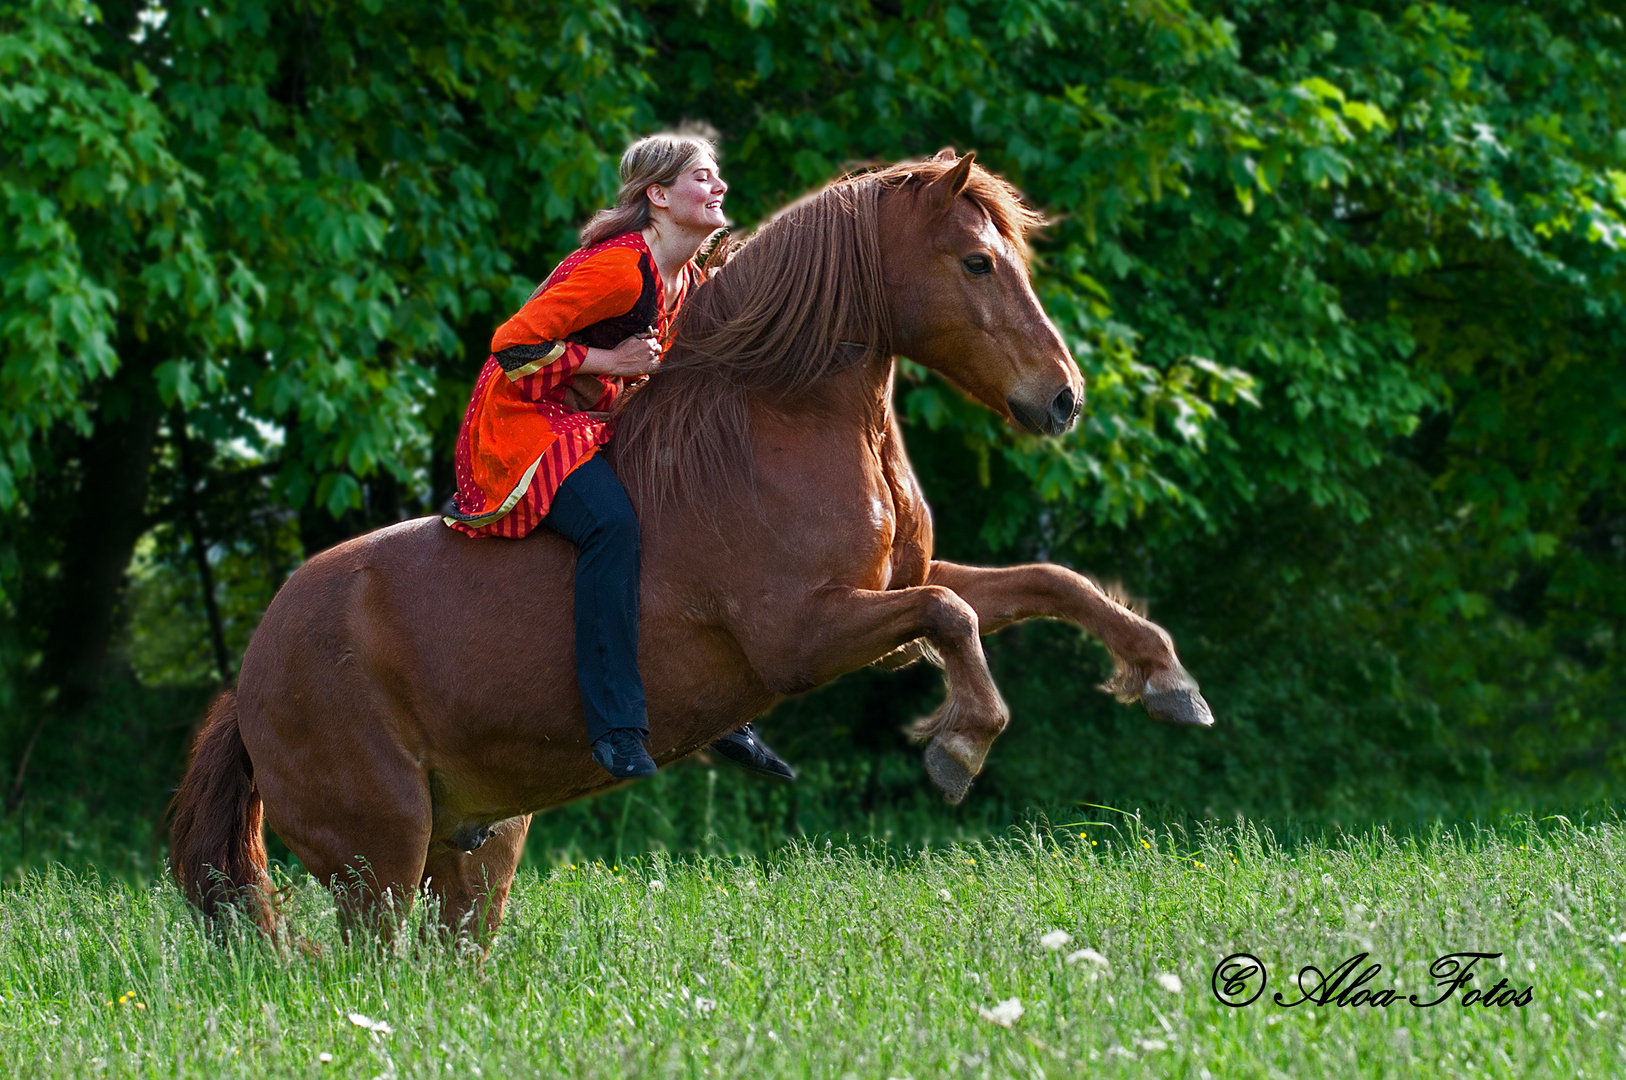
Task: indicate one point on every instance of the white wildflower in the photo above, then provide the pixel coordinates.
(1170, 982)
(1088, 954)
(945, 894)
(1055, 939)
(325, 1058)
(1326, 879)
(657, 886)
(704, 1004)
(1618, 939)
(379, 1027)
(1004, 1014)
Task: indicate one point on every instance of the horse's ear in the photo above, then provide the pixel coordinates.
(942, 192)
(945, 154)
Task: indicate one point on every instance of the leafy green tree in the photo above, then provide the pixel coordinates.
(269, 245)
(1345, 279)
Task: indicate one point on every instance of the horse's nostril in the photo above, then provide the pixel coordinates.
(1063, 407)
(1050, 419)
(1029, 416)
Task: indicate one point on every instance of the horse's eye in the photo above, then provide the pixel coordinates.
(977, 264)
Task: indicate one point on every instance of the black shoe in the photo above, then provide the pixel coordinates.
(622, 754)
(744, 749)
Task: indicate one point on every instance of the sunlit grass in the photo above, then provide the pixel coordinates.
(1077, 951)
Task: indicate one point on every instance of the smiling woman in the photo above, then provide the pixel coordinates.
(596, 323)
(527, 454)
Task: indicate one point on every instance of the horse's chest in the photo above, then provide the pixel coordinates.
(852, 537)
(910, 557)
(880, 526)
(870, 530)
(830, 511)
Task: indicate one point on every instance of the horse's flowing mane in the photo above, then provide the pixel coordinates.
(802, 299)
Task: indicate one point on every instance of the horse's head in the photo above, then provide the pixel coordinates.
(961, 302)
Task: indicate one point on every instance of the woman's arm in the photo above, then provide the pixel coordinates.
(633, 357)
(534, 342)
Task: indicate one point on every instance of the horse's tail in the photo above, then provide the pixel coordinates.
(216, 846)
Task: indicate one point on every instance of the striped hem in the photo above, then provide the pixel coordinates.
(575, 445)
(480, 521)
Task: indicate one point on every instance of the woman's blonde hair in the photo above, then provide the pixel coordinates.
(654, 159)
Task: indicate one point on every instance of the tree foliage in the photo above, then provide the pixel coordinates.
(1345, 280)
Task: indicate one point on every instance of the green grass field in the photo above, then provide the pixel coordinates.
(823, 961)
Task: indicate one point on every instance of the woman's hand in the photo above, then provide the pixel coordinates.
(633, 357)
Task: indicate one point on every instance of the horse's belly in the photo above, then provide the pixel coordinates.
(699, 685)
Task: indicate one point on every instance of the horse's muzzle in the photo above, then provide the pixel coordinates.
(1051, 419)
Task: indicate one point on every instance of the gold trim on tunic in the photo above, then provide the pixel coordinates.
(537, 365)
(507, 504)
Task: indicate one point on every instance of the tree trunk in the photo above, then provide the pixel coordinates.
(104, 518)
(200, 547)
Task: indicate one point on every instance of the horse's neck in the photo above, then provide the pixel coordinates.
(855, 406)
(856, 399)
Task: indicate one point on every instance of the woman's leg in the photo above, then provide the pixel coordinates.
(592, 511)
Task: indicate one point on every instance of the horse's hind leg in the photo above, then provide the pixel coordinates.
(472, 887)
(364, 832)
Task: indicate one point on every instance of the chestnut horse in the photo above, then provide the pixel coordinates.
(410, 699)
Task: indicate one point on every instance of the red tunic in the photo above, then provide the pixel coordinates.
(533, 416)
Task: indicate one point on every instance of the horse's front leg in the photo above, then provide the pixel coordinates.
(840, 629)
(1146, 666)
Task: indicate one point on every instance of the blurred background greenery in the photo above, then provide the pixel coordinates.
(1345, 280)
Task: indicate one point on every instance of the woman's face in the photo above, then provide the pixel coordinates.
(695, 199)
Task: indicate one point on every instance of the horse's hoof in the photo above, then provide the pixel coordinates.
(1178, 707)
(951, 778)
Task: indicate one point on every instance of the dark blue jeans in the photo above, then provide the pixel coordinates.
(592, 511)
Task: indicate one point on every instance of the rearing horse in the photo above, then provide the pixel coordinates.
(410, 700)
